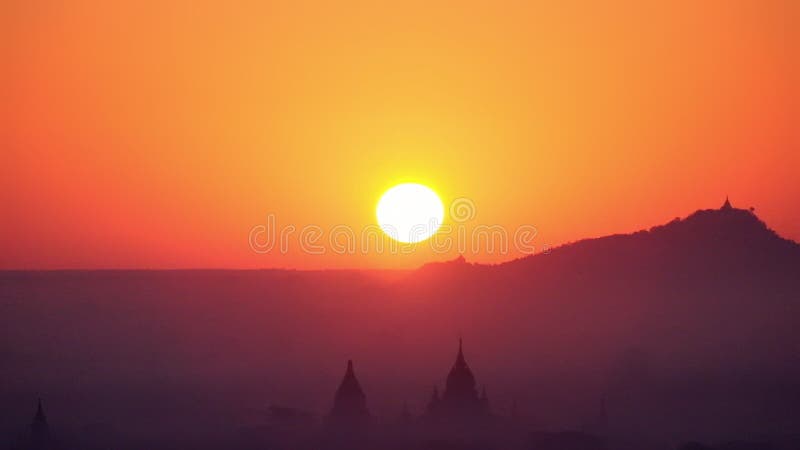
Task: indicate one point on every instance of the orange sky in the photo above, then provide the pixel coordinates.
(153, 136)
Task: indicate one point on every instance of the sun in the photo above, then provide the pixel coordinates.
(410, 212)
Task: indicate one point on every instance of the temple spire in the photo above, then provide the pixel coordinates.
(727, 205)
(461, 399)
(349, 401)
(460, 360)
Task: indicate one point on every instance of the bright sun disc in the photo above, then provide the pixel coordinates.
(410, 212)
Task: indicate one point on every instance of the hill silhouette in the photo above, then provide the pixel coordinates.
(705, 306)
(687, 330)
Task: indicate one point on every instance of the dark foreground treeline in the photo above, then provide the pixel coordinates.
(302, 432)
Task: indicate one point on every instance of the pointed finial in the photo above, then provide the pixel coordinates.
(460, 360)
(727, 204)
(349, 366)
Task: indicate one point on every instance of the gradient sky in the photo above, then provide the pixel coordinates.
(157, 134)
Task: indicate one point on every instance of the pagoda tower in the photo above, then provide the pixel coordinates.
(460, 397)
(349, 403)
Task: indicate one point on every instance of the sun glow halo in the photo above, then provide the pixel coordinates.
(410, 212)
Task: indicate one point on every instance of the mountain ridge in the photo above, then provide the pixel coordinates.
(723, 224)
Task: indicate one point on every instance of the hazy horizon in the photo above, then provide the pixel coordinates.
(445, 258)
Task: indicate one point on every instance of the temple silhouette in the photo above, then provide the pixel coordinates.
(460, 399)
(457, 419)
(349, 403)
(461, 412)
